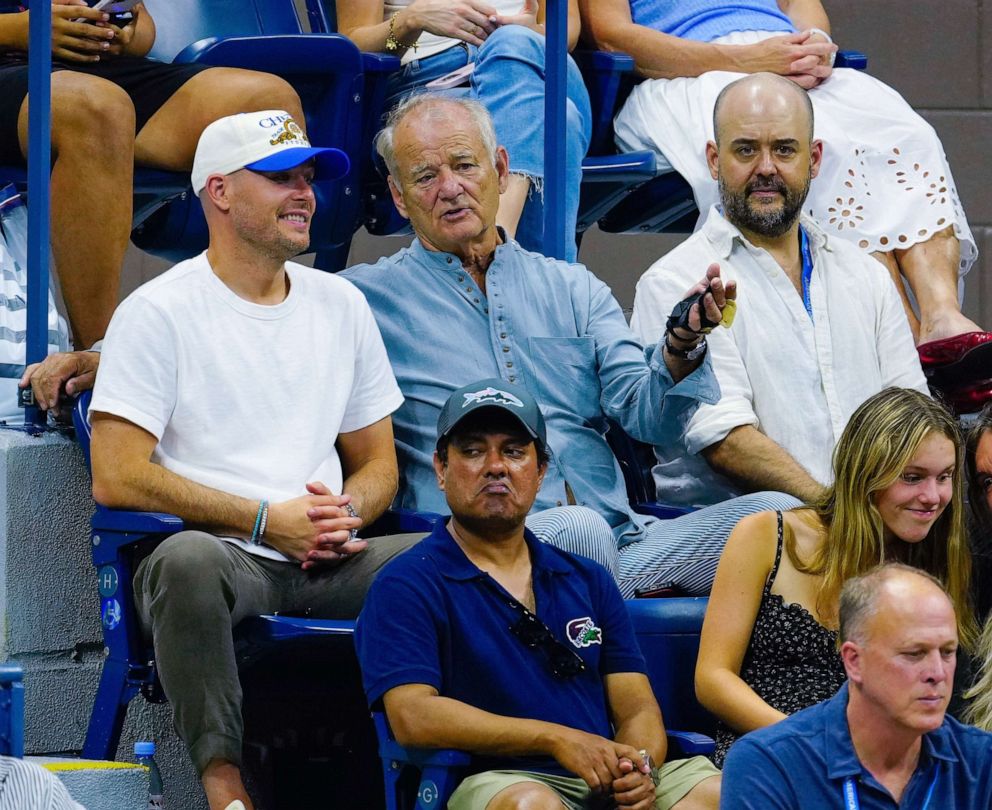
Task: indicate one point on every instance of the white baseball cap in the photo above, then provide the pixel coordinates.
(267, 141)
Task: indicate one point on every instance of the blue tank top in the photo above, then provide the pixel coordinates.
(705, 20)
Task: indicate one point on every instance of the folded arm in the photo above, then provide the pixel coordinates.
(470, 21)
(757, 462)
(420, 717)
(662, 56)
(636, 719)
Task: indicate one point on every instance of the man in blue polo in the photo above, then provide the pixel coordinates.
(487, 640)
(883, 741)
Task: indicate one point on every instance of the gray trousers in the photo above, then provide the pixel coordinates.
(194, 588)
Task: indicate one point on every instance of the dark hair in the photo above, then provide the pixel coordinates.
(978, 506)
(486, 421)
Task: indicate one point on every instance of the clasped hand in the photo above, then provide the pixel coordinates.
(471, 21)
(805, 58)
(607, 767)
(83, 34)
(314, 529)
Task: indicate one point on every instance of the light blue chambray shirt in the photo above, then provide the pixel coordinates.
(550, 326)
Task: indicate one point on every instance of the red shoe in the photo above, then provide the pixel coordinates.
(959, 369)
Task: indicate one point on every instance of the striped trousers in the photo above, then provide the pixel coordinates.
(683, 550)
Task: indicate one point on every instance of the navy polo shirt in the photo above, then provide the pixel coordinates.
(432, 617)
(803, 761)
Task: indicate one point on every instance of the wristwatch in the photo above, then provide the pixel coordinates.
(647, 759)
(691, 355)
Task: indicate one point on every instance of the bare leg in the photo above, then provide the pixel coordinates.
(526, 796)
(92, 143)
(511, 203)
(704, 796)
(931, 268)
(222, 784)
(168, 140)
(889, 260)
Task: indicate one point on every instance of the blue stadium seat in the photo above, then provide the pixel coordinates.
(325, 70)
(636, 460)
(267, 35)
(668, 633)
(120, 539)
(11, 710)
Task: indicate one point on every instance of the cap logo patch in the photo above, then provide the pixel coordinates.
(491, 395)
(583, 632)
(289, 131)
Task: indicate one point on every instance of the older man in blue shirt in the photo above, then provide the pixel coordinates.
(464, 302)
(883, 740)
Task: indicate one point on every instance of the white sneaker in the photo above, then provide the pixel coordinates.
(237, 804)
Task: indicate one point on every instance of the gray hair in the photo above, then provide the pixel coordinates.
(859, 597)
(434, 101)
(764, 78)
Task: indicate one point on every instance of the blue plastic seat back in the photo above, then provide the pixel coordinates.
(181, 22)
(667, 631)
(326, 72)
(11, 710)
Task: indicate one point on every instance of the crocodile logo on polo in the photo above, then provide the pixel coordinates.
(583, 632)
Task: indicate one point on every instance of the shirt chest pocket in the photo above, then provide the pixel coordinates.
(566, 370)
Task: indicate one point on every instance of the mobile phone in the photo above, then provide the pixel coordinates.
(119, 10)
(115, 6)
(457, 78)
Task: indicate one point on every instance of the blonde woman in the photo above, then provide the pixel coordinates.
(768, 644)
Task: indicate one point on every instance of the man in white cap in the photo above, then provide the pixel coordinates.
(251, 396)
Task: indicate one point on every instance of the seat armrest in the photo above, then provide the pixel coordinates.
(423, 757)
(689, 743)
(851, 59)
(380, 63)
(403, 521)
(662, 511)
(120, 520)
(282, 54)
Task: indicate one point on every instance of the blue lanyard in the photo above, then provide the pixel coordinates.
(851, 793)
(807, 255)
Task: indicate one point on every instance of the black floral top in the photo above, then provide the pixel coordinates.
(791, 661)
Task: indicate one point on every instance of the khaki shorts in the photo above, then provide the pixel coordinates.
(677, 779)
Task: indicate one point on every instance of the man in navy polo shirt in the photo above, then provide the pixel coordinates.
(883, 741)
(487, 640)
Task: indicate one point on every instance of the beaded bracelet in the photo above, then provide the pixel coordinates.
(261, 519)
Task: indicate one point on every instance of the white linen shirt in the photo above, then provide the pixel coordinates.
(796, 379)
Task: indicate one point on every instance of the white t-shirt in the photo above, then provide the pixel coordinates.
(429, 44)
(246, 398)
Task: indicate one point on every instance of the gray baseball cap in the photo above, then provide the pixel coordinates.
(493, 393)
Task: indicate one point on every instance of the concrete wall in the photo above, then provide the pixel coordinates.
(49, 609)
